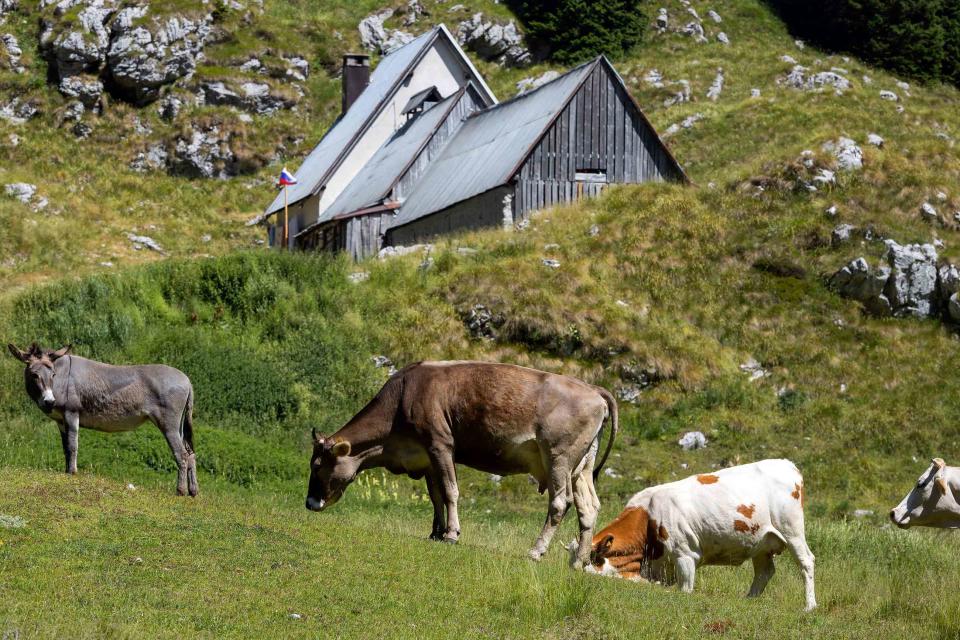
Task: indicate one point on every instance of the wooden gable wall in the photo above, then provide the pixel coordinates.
(599, 135)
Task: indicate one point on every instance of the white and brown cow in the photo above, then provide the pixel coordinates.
(753, 511)
(933, 502)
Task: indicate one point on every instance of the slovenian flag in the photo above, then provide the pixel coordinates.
(286, 178)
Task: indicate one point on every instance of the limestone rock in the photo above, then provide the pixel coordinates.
(144, 58)
(494, 41)
(87, 89)
(889, 95)
(529, 84)
(21, 191)
(858, 282)
(203, 153)
(11, 46)
(692, 440)
(841, 234)
(912, 285)
(717, 87)
(849, 156)
(372, 33)
(875, 140)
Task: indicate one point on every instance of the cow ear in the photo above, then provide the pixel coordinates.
(938, 463)
(604, 545)
(59, 353)
(341, 448)
(16, 353)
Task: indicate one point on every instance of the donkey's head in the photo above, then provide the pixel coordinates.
(332, 469)
(39, 373)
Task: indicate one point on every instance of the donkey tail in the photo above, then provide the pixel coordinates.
(186, 431)
(186, 421)
(614, 416)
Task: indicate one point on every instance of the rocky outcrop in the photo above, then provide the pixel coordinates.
(483, 323)
(529, 84)
(137, 51)
(10, 53)
(255, 97)
(203, 152)
(494, 41)
(908, 282)
(143, 58)
(849, 156)
(18, 111)
(717, 87)
(86, 89)
(800, 78)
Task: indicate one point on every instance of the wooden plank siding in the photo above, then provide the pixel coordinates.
(599, 131)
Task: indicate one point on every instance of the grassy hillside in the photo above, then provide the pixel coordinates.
(677, 285)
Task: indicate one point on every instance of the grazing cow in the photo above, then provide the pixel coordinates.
(753, 511)
(498, 418)
(75, 392)
(934, 501)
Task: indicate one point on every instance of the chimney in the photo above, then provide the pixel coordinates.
(356, 77)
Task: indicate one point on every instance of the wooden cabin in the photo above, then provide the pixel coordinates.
(458, 160)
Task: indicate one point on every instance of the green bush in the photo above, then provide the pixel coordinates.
(917, 38)
(571, 31)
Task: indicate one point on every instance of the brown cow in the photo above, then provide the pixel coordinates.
(498, 418)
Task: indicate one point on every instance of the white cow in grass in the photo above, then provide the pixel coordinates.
(934, 501)
(753, 511)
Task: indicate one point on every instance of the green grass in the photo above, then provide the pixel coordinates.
(141, 563)
(688, 281)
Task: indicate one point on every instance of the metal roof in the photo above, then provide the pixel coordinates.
(375, 180)
(489, 147)
(339, 139)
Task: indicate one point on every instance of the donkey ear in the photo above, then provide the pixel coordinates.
(59, 353)
(16, 353)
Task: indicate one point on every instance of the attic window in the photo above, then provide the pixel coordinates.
(421, 101)
(591, 175)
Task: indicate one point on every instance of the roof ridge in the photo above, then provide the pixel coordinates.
(521, 96)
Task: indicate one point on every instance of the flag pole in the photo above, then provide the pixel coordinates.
(286, 227)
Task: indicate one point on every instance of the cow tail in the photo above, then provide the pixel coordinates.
(614, 416)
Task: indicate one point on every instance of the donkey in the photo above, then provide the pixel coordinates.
(497, 418)
(75, 392)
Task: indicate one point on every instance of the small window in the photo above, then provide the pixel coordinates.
(591, 175)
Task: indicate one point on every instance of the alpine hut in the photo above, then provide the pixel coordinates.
(459, 160)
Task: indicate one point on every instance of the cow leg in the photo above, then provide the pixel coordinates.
(686, 572)
(763, 570)
(441, 459)
(179, 451)
(804, 557)
(588, 506)
(69, 436)
(556, 508)
(436, 497)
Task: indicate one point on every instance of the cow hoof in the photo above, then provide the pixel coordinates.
(436, 537)
(450, 541)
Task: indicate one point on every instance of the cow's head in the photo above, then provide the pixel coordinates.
(924, 505)
(626, 545)
(332, 468)
(39, 373)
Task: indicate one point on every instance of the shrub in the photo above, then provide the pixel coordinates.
(917, 38)
(570, 31)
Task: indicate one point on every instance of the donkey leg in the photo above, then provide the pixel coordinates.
(179, 450)
(69, 436)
